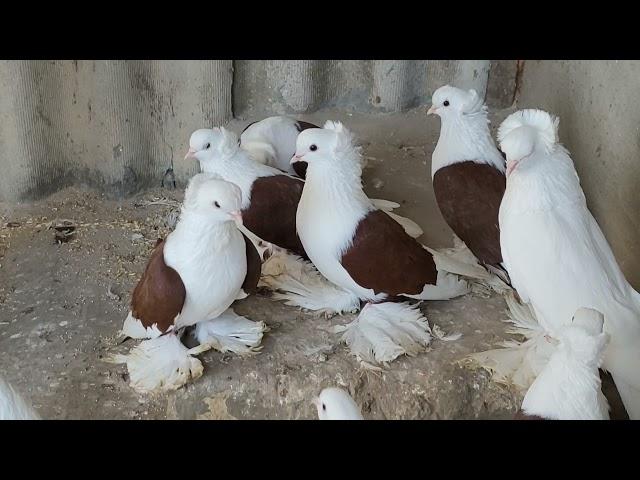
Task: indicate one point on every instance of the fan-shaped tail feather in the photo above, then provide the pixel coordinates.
(231, 332)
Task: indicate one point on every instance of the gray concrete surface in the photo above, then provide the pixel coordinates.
(118, 125)
(61, 306)
(597, 102)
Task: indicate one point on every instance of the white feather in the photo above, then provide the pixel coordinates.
(231, 332)
(13, 406)
(569, 387)
(299, 284)
(557, 257)
(411, 227)
(336, 404)
(272, 141)
(160, 364)
(383, 332)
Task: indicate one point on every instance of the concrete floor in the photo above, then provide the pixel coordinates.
(62, 304)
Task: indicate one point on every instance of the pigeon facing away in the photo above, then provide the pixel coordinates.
(569, 387)
(272, 142)
(13, 406)
(468, 172)
(557, 257)
(363, 251)
(192, 278)
(336, 404)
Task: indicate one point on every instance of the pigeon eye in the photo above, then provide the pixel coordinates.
(446, 103)
(216, 204)
(324, 407)
(313, 148)
(207, 146)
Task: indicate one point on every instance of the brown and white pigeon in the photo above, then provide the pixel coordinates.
(556, 254)
(468, 173)
(272, 142)
(363, 251)
(569, 386)
(269, 196)
(192, 278)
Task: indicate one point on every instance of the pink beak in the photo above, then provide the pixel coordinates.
(296, 158)
(511, 166)
(190, 154)
(237, 217)
(432, 111)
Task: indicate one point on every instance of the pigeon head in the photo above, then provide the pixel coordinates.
(210, 144)
(584, 338)
(448, 101)
(213, 197)
(526, 132)
(332, 145)
(336, 404)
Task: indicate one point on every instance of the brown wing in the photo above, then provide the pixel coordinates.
(272, 213)
(160, 294)
(301, 167)
(254, 268)
(469, 196)
(383, 257)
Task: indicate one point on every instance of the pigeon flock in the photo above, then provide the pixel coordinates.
(282, 206)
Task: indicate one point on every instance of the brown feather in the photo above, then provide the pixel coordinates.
(272, 213)
(160, 294)
(384, 258)
(254, 268)
(469, 196)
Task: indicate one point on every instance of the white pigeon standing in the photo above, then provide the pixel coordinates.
(13, 406)
(557, 257)
(192, 278)
(336, 404)
(569, 386)
(272, 141)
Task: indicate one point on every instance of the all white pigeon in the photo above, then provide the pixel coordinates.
(192, 278)
(556, 255)
(468, 173)
(13, 406)
(272, 142)
(361, 250)
(569, 387)
(336, 404)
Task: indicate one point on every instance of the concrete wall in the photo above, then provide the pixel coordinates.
(118, 125)
(597, 102)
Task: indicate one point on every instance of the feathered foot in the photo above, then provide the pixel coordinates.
(231, 332)
(160, 364)
(299, 284)
(384, 331)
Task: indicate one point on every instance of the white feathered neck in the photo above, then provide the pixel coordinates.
(466, 137)
(235, 165)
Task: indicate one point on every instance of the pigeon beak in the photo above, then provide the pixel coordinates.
(237, 217)
(432, 111)
(295, 159)
(190, 154)
(511, 166)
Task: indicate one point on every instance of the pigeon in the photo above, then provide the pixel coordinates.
(272, 142)
(468, 173)
(336, 404)
(269, 196)
(557, 257)
(363, 251)
(13, 406)
(569, 386)
(192, 278)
